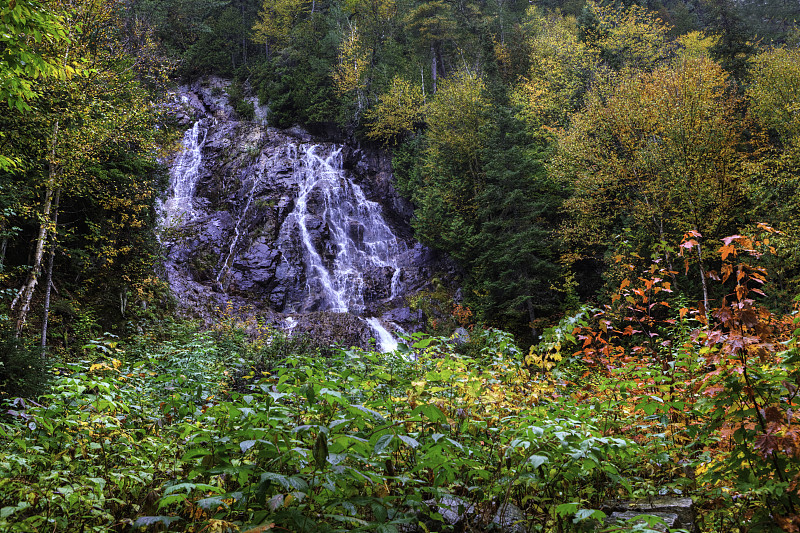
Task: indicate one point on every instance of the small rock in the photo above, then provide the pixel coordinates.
(670, 519)
(510, 518)
(460, 336)
(454, 510)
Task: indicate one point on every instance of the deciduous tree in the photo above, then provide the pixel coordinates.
(659, 154)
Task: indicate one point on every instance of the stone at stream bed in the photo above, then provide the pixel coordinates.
(676, 512)
(670, 519)
(460, 336)
(507, 517)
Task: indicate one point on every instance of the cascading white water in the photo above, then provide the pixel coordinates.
(386, 342)
(357, 238)
(334, 240)
(184, 174)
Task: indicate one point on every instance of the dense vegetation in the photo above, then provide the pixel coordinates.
(618, 182)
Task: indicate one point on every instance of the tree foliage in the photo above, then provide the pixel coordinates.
(661, 154)
(397, 113)
(86, 152)
(26, 25)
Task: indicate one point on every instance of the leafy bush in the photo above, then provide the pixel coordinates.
(24, 371)
(244, 108)
(356, 441)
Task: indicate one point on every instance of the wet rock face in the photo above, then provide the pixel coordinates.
(284, 223)
(323, 326)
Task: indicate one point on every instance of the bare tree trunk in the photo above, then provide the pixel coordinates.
(244, 38)
(667, 255)
(433, 68)
(659, 221)
(699, 236)
(49, 281)
(25, 294)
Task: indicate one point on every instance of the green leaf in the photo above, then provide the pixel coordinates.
(5, 512)
(172, 498)
(583, 514)
(289, 483)
(566, 509)
(537, 460)
(320, 450)
(431, 412)
(382, 443)
(213, 501)
(189, 487)
(376, 416)
(410, 441)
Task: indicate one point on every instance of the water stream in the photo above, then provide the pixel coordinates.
(256, 179)
(349, 253)
(184, 174)
(386, 342)
(357, 239)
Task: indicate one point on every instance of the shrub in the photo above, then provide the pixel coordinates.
(23, 370)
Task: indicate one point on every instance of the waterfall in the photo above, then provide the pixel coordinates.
(292, 228)
(386, 342)
(356, 241)
(183, 175)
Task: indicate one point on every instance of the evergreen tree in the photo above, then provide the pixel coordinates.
(513, 271)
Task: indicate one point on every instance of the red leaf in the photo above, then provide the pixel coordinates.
(766, 443)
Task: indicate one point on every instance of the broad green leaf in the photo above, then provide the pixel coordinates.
(566, 509)
(410, 441)
(537, 460)
(583, 514)
(382, 443)
(433, 413)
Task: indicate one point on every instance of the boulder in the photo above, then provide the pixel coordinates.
(505, 517)
(676, 512)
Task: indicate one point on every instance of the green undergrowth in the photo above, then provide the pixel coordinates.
(158, 438)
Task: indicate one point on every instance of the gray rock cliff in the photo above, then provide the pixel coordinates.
(284, 224)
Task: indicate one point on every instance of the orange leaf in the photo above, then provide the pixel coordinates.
(727, 250)
(741, 292)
